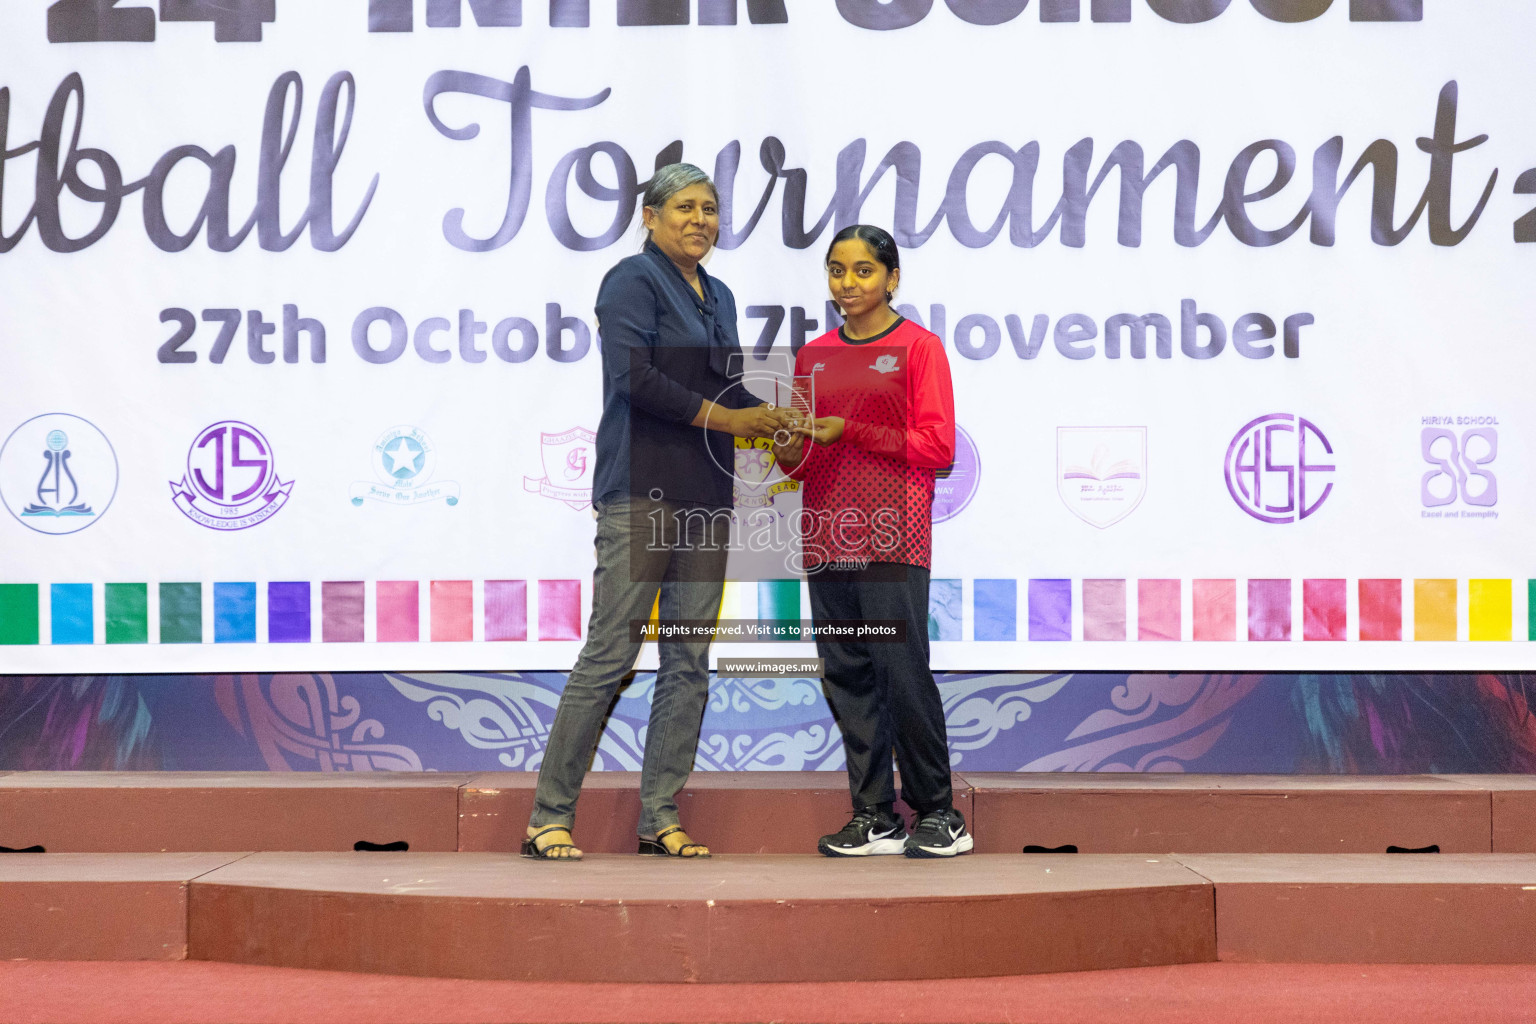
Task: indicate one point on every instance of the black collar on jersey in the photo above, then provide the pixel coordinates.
(865, 341)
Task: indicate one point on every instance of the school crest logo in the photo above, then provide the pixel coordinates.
(753, 483)
(955, 485)
(404, 460)
(1101, 472)
(231, 481)
(58, 473)
(569, 461)
(1280, 468)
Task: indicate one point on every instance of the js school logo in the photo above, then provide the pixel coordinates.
(231, 481)
(58, 473)
(403, 461)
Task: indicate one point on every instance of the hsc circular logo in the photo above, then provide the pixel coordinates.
(1279, 468)
(231, 481)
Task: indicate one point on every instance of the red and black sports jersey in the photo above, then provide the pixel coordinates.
(869, 498)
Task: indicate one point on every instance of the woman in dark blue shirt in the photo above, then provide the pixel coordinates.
(662, 491)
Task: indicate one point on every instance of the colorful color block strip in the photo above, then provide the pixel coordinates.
(18, 613)
(1104, 610)
(1050, 610)
(453, 611)
(506, 609)
(398, 607)
(778, 600)
(1325, 609)
(69, 612)
(234, 613)
(181, 613)
(343, 611)
(946, 609)
(997, 610)
(1215, 609)
(1490, 610)
(127, 620)
(338, 611)
(288, 613)
(1381, 609)
(1269, 609)
(1434, 609)
(1159, 609)
(559, 609)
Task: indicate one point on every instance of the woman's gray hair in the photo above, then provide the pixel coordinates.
(668, 181)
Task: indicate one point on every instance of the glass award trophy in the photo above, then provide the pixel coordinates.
(797, 394)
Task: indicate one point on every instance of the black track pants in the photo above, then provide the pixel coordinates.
(882, 693)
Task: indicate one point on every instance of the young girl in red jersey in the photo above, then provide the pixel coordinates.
(884, 424)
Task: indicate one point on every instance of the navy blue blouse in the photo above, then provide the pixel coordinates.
(665, 350)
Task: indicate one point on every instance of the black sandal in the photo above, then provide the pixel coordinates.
(657, 848)
(532, 849)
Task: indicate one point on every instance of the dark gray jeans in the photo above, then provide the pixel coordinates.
(642, 546)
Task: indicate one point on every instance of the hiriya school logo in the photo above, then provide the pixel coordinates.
(231, 481)
(956, 486)
(404, 460)
(1101, 472)
(1460, 448)
(569, 461)
(58, 473)
(1279, 468)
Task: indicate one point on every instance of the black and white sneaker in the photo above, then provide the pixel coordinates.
(871, 832)
(939, 834)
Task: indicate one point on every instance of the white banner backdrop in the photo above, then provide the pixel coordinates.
(299, 364)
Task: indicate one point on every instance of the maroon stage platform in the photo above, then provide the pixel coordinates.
(98, 906)
(1513, 809)
(729, 919)
(1172, 869)
(1373, 908)
(1233, 814)
(735, 812)
(764, 812)
(769, 917)
(114, 812)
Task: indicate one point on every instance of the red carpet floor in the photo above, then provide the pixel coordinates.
(176, 993)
